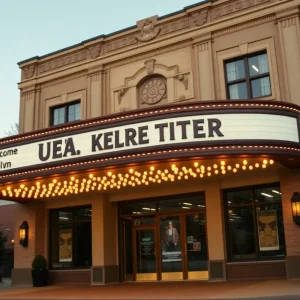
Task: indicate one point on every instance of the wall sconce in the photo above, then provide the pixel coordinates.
(295, 200)
(23, 234)
(12, 241)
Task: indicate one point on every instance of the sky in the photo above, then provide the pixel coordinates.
(37, 27)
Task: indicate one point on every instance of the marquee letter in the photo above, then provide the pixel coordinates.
(143, 134)
(130, 134)
(214, 125)
(161, 128)
(183, 128)
(69, 147)
(43, 157)
(96, 146)
(197, 127)
(57, 149)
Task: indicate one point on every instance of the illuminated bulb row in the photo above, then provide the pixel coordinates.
(131, 178)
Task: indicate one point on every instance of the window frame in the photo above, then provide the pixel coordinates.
(229, 255)
(73, 222)
(66, 106)
(248, 78)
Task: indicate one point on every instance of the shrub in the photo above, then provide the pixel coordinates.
(39, 263)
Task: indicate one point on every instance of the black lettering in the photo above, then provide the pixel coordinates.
(15, 151)
(117, 140)
(183, 125)
(198, 127)
(108, 140)
(70, 148)
(57, 149)
(161, 128)
(143, 134)
(96, 146)
(172, 131)
(130, 134)
(214, 125)
(45, 157)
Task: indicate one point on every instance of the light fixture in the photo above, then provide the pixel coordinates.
(186, 203)
(255, 68)
(276, 192)
(267, 195)
(23, 234)
(12, 241)
(295, 201)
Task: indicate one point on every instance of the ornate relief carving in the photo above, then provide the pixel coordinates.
(149, 64)
(184, 79)
(153, 90)
(29, 71)
(121, 93)
(63, 61)
(148, 32)
(95, 51)
(235, 6)
(200, 18)
(124, 42)
(174, 26)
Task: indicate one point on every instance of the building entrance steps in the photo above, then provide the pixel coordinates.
(263, 290)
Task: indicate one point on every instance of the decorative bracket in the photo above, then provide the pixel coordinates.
(184, 79)
(121, 93)
(149, 64)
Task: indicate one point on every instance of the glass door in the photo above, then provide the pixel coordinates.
(145, 262)
(196, 246)
(171, 236)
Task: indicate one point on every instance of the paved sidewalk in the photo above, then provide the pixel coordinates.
(263, 290)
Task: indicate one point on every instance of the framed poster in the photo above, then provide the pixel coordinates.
(65, 245)
(267, 230)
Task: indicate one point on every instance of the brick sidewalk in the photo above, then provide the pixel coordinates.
(264, 290)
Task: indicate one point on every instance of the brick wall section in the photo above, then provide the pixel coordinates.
(290, 183)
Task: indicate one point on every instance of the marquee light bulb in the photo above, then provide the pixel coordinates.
(215, 166)
(208, 168)
(208, 174)
(109, 174)
(245, 162)
(271, 162)
(222, 162)
(265, 161)
(244, 167)
(196, 164)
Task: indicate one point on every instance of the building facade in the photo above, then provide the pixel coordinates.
(165, 151)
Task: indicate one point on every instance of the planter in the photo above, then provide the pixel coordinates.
(1, 273)
(39, 278)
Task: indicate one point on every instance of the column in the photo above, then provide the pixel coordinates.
(35, 215)
(290, 183)
(215, 233)
(288, 27)
(95, 100)
(204, 73)
(27, 116)
(105, 267)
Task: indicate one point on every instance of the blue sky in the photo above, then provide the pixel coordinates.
(37, 27)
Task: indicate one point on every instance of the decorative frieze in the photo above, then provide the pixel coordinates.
(120, 43)
(63, 61)
(288, 22)
(175, 26)
(234, 6)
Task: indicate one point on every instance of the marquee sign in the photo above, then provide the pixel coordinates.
(171, 131)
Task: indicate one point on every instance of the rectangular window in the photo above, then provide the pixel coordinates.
(71, 237)
(65, 113)
(254, 223)
(248, 77)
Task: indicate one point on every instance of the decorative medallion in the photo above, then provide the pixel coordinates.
(148, 32)
(29, 71)
(200, 18)
(95, 51)
(153, 91)
(149, 64)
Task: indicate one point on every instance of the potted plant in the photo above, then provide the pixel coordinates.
(39, 271)
(3, 239)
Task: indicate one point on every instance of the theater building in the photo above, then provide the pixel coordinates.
(165, 151)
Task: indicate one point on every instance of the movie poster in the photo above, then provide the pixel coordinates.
(171, 248)
(268, 230)
(65, 245)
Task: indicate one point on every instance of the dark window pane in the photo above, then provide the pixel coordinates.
(235, 70)
(241, 232)
(238, 91)
(83, 244)
(182, 204)
(143, 220)
(74, 112)
(271, 230)
(267, 194)
(261, 87)
(58, 115)
(138, 208)
(65, 216)
(239, 197)
(258, 65)
(83, 214)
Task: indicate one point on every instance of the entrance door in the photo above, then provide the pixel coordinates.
(145, 262)
(171, 247)
(196, 246)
